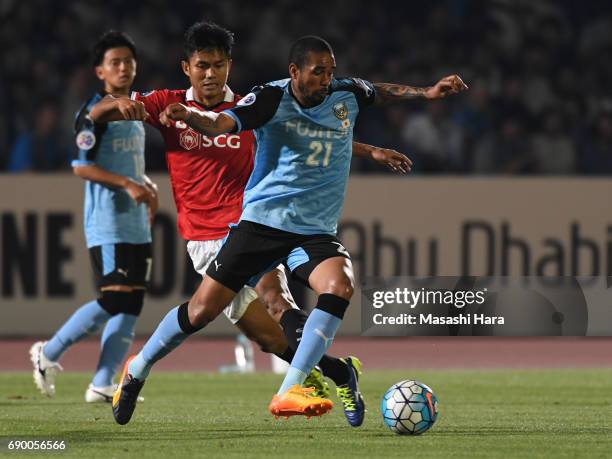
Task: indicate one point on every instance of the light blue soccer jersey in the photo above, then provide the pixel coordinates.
(111, 216)
(303, 154)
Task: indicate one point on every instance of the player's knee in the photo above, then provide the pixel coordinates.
(342, 286)
(275, 302)
(122, 302)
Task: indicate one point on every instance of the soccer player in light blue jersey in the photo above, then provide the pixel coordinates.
(292, 202)
(120, 201)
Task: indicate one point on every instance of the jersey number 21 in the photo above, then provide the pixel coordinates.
(317, 148)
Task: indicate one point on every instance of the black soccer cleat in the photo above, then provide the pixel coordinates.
(126, 396)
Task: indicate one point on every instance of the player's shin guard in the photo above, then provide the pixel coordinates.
(170, 333)
(85, 320)
(116, 340)
(318, 334)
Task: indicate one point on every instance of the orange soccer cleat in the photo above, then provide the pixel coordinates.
(298, 400)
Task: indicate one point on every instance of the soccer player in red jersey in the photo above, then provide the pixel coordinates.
(208, 177)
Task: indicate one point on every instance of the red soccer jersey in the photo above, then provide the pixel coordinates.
(208, 176)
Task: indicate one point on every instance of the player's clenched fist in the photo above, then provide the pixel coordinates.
(131, 109)
(174, 112)
(138, 192)
(445, 87)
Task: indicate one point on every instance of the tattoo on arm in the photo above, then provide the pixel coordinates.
(210, 123)
(200, 120)
(388, 92)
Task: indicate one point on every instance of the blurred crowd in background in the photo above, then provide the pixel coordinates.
(538, 72)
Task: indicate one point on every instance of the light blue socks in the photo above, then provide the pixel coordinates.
(85, 320)
(167, 337)
(318, 334)
(116, 340)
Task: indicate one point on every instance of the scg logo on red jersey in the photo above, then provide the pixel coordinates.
(222, 141)
(190, 139)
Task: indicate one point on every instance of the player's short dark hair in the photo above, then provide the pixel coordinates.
(109, 40)
(304, 45)
(207, 35)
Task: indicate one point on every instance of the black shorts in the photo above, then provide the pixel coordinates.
(251, 249)
(121, 264)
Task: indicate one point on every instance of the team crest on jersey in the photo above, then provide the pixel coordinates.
(189, 139)
(85, 140)
(249, 99)
(340, 110)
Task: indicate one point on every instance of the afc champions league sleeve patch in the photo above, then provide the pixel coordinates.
(85, 140)
(249, 99)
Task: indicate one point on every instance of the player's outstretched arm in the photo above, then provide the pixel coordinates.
(394, 160)
(112, 108)
(208, 123)
(389, 92)
(139, 193)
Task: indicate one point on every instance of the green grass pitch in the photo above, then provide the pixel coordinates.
(502, 413)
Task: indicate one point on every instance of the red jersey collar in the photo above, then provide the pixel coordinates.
(228, 96)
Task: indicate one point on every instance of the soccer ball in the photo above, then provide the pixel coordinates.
(409, 408)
